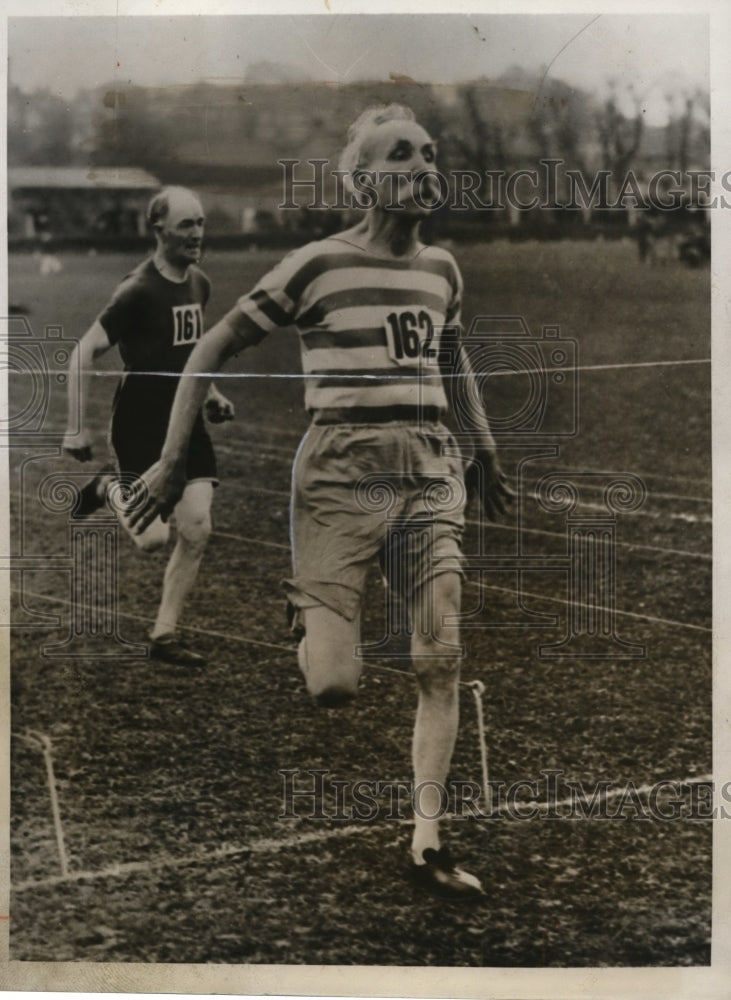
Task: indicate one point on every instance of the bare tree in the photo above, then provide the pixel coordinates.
(679, 128)
(619, 135)
(481, 144)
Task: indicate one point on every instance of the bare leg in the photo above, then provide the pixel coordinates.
(437, 714)
(327, 656)
(193, 520)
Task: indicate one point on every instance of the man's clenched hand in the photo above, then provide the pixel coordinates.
(218, 408)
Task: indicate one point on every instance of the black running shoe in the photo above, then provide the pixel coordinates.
(92, 496)
(441, 876)
(170, 649)
(334, 697)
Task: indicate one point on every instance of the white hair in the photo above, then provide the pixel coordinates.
(351, 158)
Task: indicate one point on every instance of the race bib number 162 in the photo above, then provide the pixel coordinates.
(410, 338)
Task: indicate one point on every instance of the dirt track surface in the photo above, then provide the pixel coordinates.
(177, 775)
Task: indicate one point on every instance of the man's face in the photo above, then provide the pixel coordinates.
(403, 147)
(181, 232)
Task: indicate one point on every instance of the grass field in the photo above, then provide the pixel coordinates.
(169, 783)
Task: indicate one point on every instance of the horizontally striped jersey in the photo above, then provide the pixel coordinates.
(369, 326)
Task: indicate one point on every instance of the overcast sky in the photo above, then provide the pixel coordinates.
(657, 53)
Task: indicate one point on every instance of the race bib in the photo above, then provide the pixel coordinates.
(410, 338)
(187, 324)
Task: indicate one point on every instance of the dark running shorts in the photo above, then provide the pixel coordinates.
(138, 433)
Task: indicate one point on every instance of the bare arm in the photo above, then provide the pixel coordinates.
(484, 475)
(229, 336)
(470, 406)
(94, 343)
(165, 481)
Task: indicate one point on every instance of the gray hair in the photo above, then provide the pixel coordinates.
(351, 158)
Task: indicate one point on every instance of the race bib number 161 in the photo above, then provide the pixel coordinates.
(187, 324)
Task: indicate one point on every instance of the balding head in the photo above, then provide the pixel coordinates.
(172, 196)
(177, 219)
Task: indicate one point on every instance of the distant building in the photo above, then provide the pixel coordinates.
(45, 203)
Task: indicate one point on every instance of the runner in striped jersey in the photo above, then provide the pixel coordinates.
(370, 306)
(362, 315)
